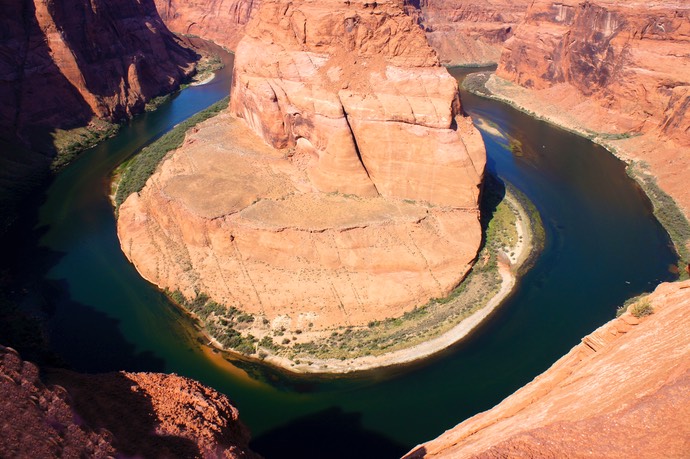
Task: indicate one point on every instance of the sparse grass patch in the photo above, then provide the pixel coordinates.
(641, 309)
(667, 212)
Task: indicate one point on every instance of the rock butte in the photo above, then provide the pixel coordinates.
(364, 203)
(54, 55)
(130, 414)
(622, 392)
(616, 70)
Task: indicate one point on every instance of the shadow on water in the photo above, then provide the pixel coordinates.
(329, 433)
(41, 320)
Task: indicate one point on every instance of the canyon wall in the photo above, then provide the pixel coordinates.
(622, 392)
(617, 70)
(468, 32)
(346, 192)
(123, 414)
(222, 22)
(62, 63)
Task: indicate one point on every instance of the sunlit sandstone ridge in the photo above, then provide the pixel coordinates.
(357, 202)
(614, 70)
(623, 392)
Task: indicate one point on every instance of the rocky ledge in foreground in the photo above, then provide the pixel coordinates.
(364, 203)
(124, 414)
(623, 392)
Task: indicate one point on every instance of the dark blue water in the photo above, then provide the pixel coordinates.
(602, 246)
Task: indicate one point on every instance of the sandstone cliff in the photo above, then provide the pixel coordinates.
(130, 414)
(468, 32)
(220, 21)
(62, 63)
(617, 71)
(623, 392)
(364, 203)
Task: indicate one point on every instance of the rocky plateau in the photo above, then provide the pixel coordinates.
(342, 188)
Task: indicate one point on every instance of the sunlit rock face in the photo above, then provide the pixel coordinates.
(342, 187)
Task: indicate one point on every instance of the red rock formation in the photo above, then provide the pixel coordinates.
(468, 32)
(130, 414)
(220, 21)
(356, 88)
(36, 421)
(366, 206)
(64, 62)
(615, 69)
(623, 392)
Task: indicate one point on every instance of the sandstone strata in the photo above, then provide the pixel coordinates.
(129, 414)
(623, 392)
(222, 22)
(62, 63)
(468, 32)
(617, 70)
(362, 206)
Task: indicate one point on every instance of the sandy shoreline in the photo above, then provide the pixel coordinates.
(522, 250)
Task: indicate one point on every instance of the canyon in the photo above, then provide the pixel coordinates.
(132, 414)
(307, 127)
(613, 71)
(622, 392)
(341, 189)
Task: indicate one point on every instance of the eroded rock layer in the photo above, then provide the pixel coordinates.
(623, 392)
(617, 69)
(64, 62)
(222, 22)
(468, 32)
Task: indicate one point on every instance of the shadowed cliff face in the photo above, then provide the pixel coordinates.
(64, 62)
(131, 414)
(623, 392)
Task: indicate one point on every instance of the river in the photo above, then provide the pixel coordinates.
(603, 245)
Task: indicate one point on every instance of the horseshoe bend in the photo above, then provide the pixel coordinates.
(340, 188)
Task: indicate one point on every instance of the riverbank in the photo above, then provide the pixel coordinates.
(511, 259)
(652, 160)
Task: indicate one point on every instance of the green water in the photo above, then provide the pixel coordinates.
(602, 246)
